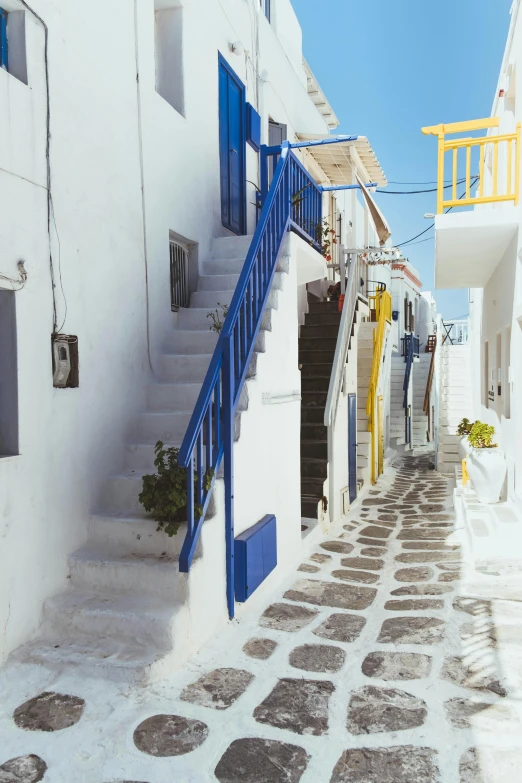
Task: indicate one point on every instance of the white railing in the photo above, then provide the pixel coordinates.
(338, 367)
(455, 332)
(341, 348)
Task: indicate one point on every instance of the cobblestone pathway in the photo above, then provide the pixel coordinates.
(382, 661)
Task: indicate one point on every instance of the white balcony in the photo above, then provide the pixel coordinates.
(469, 245)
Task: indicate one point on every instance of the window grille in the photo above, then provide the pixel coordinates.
(179, 276)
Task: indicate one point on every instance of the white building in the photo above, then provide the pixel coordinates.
(128, 180)
(482, 250)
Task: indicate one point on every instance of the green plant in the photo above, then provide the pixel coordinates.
(297, 198)
(464, 427)
(164, 493)
(481, 436)
(326, 238)
(218, 319)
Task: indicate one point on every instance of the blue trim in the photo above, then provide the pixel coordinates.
(224, 65)
(349, 187)
(210, 433)
(4, 48)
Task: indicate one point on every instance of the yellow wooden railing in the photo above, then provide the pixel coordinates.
(501, 188)
(381, 302)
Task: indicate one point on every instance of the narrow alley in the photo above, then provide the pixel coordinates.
(385, 659)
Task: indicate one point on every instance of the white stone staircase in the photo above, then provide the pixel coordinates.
(455, 403)
(364, 369)
(128, 612)
(398, 367)
(420, 372)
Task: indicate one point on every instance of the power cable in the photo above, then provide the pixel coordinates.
(407, 242)
(412, 192)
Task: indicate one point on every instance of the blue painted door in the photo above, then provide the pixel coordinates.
(352, 446)
(232, 149)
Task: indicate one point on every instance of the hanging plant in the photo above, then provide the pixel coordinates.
(164, 493)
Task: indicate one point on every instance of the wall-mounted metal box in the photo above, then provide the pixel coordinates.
(253, 127)
(255, 556)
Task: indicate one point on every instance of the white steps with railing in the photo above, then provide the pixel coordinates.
(126, 602)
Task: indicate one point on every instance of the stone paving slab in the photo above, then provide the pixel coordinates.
(373, 662)
(330, 594)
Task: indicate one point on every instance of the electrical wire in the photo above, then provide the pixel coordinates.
(401, 244)
(413, 192)
(50, 208)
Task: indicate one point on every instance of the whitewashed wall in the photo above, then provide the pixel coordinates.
(111, 135)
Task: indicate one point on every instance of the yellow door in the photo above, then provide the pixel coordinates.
(380, 436)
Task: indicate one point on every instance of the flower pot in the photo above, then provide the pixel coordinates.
(340, 303)
(487, 471)
(464, 447)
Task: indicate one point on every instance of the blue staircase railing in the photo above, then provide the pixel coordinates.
(410, 351)
(292, 202)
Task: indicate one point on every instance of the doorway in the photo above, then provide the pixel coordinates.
(232, 161)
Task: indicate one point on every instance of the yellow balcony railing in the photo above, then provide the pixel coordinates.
(381, 302)
(495, 158)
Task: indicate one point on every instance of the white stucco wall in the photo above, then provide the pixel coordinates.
(110, 243)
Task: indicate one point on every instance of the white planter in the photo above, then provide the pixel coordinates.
(464, 447)
(487, 471)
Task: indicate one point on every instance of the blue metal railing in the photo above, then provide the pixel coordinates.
(410, 351)
(292, 202)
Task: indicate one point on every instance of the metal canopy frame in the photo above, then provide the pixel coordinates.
(276, 150)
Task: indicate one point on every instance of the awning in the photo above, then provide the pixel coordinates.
(383, 232)
(337, 162)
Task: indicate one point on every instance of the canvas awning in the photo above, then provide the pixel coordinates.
(381, 227)
(338, 161)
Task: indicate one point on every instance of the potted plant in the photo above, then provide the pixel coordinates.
(463, 430)
(485, 463)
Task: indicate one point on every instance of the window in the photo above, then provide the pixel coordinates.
(12, 44)
(9, 375)
(266, 5)
(179, 276)
(169, 53)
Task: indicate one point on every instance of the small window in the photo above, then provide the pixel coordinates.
(169, 53)
(179, 276)
(12, 44)
(267, 8)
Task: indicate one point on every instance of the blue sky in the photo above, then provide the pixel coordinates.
(389, 67)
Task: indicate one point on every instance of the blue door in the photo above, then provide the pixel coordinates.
(352, 446)
(232, 148)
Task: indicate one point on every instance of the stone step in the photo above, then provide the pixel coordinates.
(314, 468)
(126, 617)
(172, 396)
(98, 569)
(191, 341)
(183, 368)
(315, 383)
(328, 318)
(105, 658)
(136, 535)
(316, 370)
(170, 427)
(323, 307)
(314, 448)
(211, 300)
(314, 331)
(224, 247)
(309, 507)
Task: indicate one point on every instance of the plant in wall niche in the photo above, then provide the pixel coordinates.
(218, 319)
(464, 427)
(164, 493)
(481, 436)
(485, 463)
(326, 238)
